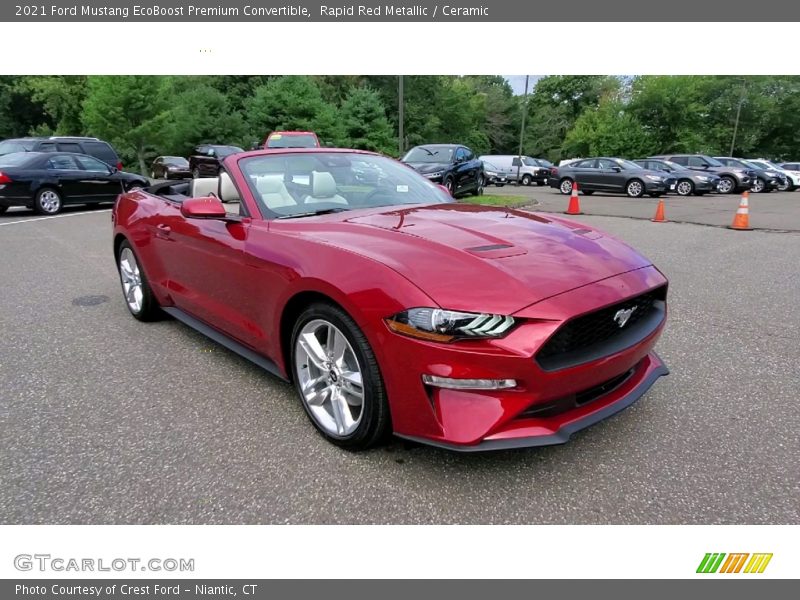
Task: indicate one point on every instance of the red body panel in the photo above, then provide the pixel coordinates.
(238, 276)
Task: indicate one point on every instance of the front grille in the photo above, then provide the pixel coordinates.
(582, 398)
(670, 181)
(599, 333)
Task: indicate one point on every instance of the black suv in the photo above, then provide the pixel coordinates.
(206, 159)
(731, 179)
(78, 145)
(454, 166)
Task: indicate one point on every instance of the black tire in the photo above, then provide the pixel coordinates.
(375, 420)
(150, 311)
(635, 188)
(450, 185)
(478, 191)
(526, 179)
(728, 184)
(587, 192)
(684, 187)
(562, 186)
(44, 199)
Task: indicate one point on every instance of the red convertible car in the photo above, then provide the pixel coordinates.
(392, 308)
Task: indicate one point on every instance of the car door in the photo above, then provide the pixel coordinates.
(105, 185)
(473, 170)
(611, 175)
(206, 270)
(460, 169)
(67, 174)
(586, 173)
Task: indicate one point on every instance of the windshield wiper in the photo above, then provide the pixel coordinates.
(314, 213)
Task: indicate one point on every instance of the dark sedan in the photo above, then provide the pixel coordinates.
(206, 159)
(170, 167)
(454, 166)
(46, 181)
(687, 182)
(611, 175)
(763, 180)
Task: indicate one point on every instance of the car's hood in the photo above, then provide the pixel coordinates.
(479, 258)
(427, 167)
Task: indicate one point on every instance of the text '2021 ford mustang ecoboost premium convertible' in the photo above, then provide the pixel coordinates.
(390, 307)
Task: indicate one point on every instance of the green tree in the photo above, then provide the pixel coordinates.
(61, 97)
(130, 111)
(292, 103)
(607, 131)
(364, 122)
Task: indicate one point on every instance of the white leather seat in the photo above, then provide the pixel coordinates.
(274, 192)
(227, 191)
(204, 186)
(323, 189)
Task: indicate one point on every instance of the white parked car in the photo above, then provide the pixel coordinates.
(793, 168)
(792, 179)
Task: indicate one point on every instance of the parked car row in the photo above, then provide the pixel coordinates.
(683, 174)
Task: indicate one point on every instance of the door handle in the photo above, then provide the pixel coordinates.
(163, 231)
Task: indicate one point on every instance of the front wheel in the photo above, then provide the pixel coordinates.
(448, 183)
(759, 185)
(526, 179)
(727, 185)
(139, 298)
(635, 188)
(337, 378)
(47, 202)
(685, 187)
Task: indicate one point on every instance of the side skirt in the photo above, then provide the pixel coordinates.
(224, 340)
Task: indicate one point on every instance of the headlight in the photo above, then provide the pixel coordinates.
(739, 171)
(654, 178)
(439, 325)
(702, 178)
(433, 175)
(770, 174)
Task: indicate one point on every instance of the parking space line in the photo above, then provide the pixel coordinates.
(77, 214)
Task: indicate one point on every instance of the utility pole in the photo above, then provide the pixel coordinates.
(400, 116)
(522, 128)
(738, 114)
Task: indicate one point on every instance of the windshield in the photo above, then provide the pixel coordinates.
(489, 166)
(300, 184)
(673, 165)
(429, 154)
(223, 151)
(627, 164)
(10, 146)
(15, 159)
(765, 164)
(278, 140)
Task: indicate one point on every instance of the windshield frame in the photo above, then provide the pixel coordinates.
(428, 147)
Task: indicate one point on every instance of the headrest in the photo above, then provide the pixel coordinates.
(227, 191)
(271, 184)
(204, 186)
(323, 185)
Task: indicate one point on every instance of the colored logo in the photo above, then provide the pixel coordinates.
(741, 562)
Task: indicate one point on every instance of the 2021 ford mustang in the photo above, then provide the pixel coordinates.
(392, 308)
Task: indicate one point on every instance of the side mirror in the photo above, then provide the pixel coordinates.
(616, 169)
(209, 207)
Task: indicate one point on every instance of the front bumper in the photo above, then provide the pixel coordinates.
(706, 186)
(544, 408)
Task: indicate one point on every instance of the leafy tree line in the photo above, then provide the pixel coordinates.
(144, 116)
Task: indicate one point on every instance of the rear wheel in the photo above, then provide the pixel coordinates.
(565, 186)
(685, 187)
(47, 202)
(139, 298)
(635, 188)
(337, 377)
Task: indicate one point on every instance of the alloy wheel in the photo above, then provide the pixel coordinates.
(758, 186)
(726, 185)
(566, 186)
(50, 201)
(329, 378)
(684, 188)
(635, 189)
(131, 280)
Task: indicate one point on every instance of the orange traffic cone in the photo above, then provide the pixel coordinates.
(660, 218)
(741, 220)
(574, 207)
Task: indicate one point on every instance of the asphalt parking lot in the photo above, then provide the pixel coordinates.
(107, 420)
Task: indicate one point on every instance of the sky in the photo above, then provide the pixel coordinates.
(518, 82)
